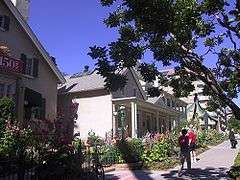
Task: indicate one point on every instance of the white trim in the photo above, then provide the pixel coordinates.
(138, 83)
(156, 106)
(34, 39)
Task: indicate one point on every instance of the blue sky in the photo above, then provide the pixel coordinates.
(67, 30)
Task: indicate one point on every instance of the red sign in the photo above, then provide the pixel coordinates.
(11, 64)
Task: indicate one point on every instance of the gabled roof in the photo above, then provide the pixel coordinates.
(155, 100)
(34, 39)
(138, 83)
(89, 82)
(92, 81)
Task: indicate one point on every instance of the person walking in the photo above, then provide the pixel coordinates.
(183, 141)
(232, 139)
(192, 143)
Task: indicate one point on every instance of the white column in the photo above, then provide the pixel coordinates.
(174, 122)
(114, 123)
(134, 119)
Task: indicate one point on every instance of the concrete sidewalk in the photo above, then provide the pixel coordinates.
(213, 164)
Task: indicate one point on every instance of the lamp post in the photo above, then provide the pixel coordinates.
(122, 115)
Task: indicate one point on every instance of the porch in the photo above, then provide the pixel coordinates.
(141, 117)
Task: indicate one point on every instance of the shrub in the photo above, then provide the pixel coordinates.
(122, 152)
(15, 141)
(158, 152)
(6, 112)
(209, 137)
(57, 160)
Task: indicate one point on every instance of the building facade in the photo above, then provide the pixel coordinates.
(99, 110)
(27, 73)
(197, 100)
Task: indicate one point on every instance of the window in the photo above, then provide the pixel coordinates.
(1, 90)
(30, 66)
(200, 85)
(168, 102)
(173, 104)
(4, 23)
(9, 90)
(122, 91)
(134, 92)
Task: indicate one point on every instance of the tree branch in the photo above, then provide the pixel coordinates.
(227, 25)
(231, 39)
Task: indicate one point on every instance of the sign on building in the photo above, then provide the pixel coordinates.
(10, 64)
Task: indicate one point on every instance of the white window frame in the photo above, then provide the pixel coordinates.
(2, 23)
(31, 64)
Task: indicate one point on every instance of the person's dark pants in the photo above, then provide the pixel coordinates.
(185, 155)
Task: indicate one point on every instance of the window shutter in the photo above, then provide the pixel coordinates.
(35, 67)
(6, 23)
(24, 60)
(43, 109)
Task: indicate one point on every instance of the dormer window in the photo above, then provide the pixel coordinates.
(4, 23)
(134, 92)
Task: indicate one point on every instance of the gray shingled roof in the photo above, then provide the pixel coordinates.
(92, 81)
(153, 100)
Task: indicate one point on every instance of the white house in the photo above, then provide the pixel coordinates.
(98, 108)
(27, 73)
(213, 118)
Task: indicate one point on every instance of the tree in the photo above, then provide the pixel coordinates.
(181, 33)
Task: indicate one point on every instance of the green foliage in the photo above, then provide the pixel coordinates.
(130, 151)
(174, 31)
(210, 137)
(6, 108)
(157, 153)
(56, 160)
(15, 141)
(6, 112)
(234, 124)
(123, 152)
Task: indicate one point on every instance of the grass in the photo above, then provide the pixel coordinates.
(235, 170)
(237, 160)
(164, 165)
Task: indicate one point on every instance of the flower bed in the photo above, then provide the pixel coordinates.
(155, 151)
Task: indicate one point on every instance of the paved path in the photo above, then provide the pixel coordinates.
(213, 164)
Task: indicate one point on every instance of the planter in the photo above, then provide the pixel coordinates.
(127, 166)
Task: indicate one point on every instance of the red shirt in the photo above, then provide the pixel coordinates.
(192, 137)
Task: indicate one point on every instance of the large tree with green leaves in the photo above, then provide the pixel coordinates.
(180, 33)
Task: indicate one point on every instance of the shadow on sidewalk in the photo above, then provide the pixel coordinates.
(210, 173)
(136, 174)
